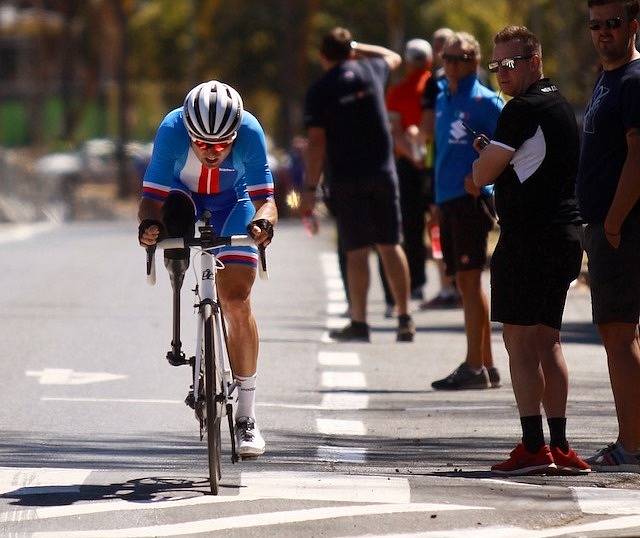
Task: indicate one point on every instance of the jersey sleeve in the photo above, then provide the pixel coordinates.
(630, 102)
(159, 177)
(258, 178)
(380, 67)
(515, 125)
(430, 94)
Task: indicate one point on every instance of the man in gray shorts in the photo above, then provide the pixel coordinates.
(608, 188)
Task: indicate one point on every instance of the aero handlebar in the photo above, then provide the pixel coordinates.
(205, 244)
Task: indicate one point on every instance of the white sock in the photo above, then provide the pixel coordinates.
(246, 396)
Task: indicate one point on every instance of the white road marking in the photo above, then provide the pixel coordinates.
(334, 283)
(337, 307)
(330, 265)
(14, 233)
(328, 426)
(317, 486)
(336, 323)
(326, 339)
(628, 522)
(342, 454)
(65, 376)
(337, 295)
(51, 512)
(338, 358)
(607, 501)
(511, 483)
(352, 380)
(38, 480)
(111, 400)
(458, 407)
(342, 400)
(258, 520)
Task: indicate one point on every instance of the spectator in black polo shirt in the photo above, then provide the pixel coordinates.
(348, 124)
(533, 159)
(609, 198)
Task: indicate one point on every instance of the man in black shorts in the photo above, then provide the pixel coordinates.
(533, 159)
(608, 195)
(348, 124)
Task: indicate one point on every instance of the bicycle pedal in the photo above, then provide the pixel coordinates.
(190, 400)
(174, 360)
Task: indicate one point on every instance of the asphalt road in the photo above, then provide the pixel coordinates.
(95, 440)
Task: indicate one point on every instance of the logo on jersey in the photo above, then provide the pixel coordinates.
(589, 124)
(457, 133)
(207, 274)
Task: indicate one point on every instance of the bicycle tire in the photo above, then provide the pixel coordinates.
(213, 418)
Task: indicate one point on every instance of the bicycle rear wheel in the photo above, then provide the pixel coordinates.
(214, 414)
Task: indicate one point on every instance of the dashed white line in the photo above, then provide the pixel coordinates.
(328, 426)
(342, 454)
(341, 400)
(337, 308)
(337, 295)
(352, 380)
(337, 358)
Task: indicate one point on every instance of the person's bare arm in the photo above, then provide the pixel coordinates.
(400, 140)
(427, 125)
(315, 155)
(392, 58)
(490, 164)
(628, 191)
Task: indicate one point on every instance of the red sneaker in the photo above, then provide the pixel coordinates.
(569, 462)
(523, 462)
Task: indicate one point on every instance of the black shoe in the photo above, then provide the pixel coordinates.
(494, 377)
(358, 332)
(406, 329)
(463, 378)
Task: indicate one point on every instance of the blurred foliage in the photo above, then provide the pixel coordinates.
(266, 49)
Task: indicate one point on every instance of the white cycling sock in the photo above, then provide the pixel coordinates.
(246, 396)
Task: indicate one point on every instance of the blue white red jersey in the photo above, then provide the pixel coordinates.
(175, 166)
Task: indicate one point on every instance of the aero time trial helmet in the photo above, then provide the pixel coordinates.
(212, 111)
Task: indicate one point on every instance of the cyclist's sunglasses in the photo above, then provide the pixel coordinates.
(611, 24)
(455, 58)
(218, 146)
(506, 63)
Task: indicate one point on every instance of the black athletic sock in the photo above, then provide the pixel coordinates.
(558, 431)
(532, 434)
(404, 320)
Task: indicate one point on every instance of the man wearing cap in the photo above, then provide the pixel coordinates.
(403, 105)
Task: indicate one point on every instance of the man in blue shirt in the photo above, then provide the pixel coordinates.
(463, 109)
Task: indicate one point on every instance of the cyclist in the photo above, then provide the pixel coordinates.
(210, 154)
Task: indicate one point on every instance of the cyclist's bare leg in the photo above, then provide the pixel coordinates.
(234, 291)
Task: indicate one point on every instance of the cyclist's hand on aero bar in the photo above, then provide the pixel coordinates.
(261, 230)
(150, 232)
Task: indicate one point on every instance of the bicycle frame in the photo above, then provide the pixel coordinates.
(209, 306)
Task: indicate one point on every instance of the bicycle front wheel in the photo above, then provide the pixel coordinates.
(214, 415)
